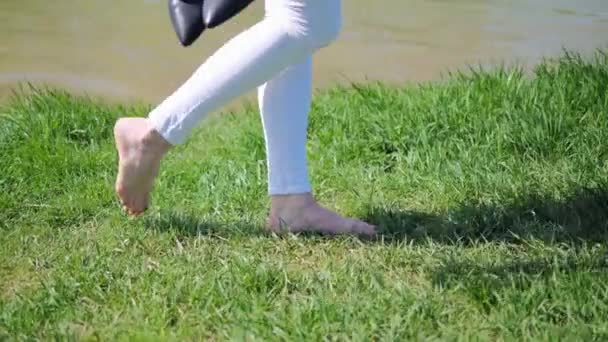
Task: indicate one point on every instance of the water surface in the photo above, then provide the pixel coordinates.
(127, 49)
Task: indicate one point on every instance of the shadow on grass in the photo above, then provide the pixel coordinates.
(185, 224)
(582, 216)
(188, 225)
(485, 282)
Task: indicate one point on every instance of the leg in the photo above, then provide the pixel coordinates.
(284, 104)
(291, 30)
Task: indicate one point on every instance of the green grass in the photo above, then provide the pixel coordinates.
(491, 189)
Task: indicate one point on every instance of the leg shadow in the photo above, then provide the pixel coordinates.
(581, 216)
(186, 224)
(190, 225)
(484, 281)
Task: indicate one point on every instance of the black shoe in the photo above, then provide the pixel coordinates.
(216, 12)
(187, 19)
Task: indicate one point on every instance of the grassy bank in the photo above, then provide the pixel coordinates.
(490, 189)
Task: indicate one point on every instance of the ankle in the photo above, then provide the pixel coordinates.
(291, 201)
(154, 141)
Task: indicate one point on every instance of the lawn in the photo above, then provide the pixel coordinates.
(490, 188)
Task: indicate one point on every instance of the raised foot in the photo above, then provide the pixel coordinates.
(140, 151)
(301, 213)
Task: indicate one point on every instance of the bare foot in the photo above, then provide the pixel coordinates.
(140, 150)
(301, 213)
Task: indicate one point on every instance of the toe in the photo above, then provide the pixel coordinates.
(363, 228)
(138, 206)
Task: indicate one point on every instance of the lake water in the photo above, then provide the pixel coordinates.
(127, 50)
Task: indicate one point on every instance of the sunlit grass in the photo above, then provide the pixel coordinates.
(490, 189)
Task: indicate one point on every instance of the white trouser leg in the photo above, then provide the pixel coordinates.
(291, 31)
(284, 104)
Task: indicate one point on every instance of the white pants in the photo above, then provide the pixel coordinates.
(274, 55)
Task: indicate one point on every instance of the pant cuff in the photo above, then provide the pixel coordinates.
(169, 133)
(289, 190)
